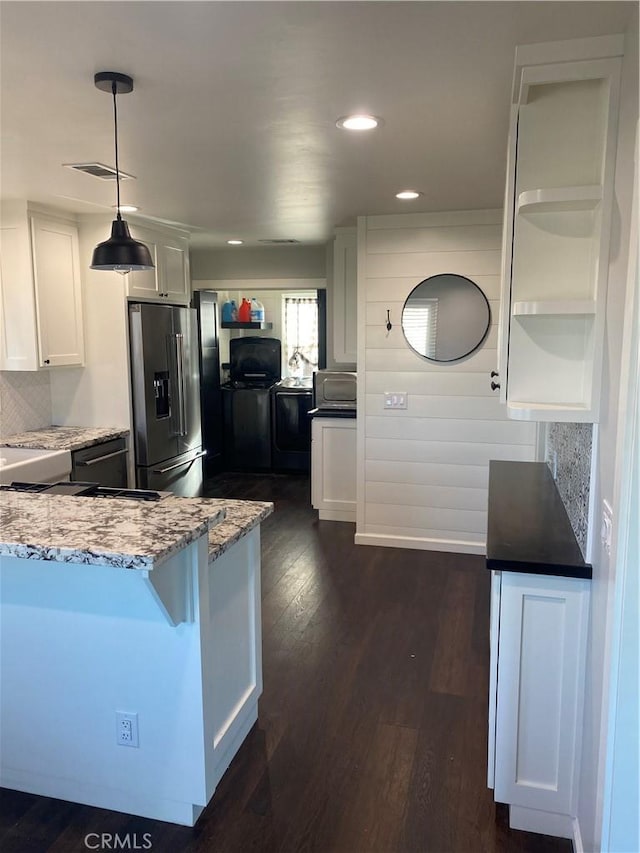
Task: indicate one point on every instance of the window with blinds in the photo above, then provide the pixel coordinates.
(420, 323)
(300, 324)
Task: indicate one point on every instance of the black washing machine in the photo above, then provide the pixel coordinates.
(246, 403)
(291, 401)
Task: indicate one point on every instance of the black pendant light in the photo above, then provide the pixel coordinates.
(120, 253)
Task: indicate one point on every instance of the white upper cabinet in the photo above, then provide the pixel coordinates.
(40, 291)
(345, 296)
(170, 281)
(556, 231)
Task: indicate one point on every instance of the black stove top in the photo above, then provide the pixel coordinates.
(84, 490)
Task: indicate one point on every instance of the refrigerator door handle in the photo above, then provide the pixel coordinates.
(182, 391)
(180, 464)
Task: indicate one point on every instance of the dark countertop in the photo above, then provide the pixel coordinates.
(333, 413)
(528, 527)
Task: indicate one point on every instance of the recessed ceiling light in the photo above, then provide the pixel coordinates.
(126, 208)
(408, 195)
(359, 122)
(235, 242)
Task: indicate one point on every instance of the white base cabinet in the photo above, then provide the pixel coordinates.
(333, 468)
(40, 290)
(538, 653)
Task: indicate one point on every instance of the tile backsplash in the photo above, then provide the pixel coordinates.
(569, 452)
(25, 401)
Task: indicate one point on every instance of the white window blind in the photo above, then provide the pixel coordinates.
(420, 323)
(300, 334)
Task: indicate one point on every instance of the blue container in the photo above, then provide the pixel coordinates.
(229, 312)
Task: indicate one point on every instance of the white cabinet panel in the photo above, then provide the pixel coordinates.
(17, 296)
(556, 233)
(175, 270)
(345, 296)
(144, 284)
(540, 690)
(56, 268)
(41, 291)
(333, 468)
(170, 280)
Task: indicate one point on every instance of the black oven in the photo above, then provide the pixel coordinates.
(291, 400)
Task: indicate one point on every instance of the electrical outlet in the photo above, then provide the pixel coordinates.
(126, 729)
(395, 399)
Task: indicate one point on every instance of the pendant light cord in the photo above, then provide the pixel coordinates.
(115, 131)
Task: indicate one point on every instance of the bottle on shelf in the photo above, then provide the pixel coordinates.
(228, 310)
(257, 311)
(244, 311)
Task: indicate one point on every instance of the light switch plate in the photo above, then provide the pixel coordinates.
(395, 399)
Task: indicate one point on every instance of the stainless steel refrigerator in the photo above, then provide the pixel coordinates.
(166, 398)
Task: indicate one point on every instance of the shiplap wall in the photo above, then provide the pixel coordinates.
(423, 471)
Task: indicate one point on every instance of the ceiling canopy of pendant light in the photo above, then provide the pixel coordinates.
(120, 253)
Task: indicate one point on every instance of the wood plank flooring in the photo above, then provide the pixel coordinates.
(372, 730)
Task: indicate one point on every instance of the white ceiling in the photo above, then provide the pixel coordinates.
(231, 127)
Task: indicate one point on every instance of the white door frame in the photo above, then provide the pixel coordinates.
(625, 532)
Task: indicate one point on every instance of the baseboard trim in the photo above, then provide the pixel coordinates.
(102, 797)
(546, 823)
(337, 515)
(456, 546)
(578, 846)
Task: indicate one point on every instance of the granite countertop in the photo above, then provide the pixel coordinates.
(115, 532)
(528, 527)
(120, 533)
(240, 518)
(62, 438)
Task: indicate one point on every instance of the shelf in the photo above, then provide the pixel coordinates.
(225, 325)
(559, 199)
(551, 307)
(562, 412)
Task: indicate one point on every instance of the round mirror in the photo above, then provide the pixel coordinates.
(445, 317)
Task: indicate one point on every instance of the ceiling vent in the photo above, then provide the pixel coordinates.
(278, 241)
(98, 170)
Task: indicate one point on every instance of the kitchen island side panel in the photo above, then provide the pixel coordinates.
(82, 642)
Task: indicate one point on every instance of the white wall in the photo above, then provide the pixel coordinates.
(603, 584)
(423, 471)
(250, 262)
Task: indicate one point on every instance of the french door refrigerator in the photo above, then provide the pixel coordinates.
(165, 386)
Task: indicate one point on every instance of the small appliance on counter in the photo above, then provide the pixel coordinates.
(254, 367)
(334, 390)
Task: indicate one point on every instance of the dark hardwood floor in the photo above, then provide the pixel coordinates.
(372, 731)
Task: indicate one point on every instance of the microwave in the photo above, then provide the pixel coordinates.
(334, 390)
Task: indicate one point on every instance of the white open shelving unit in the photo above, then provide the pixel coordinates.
(557, 224)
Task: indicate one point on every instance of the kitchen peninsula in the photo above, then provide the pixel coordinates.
(147, 613)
